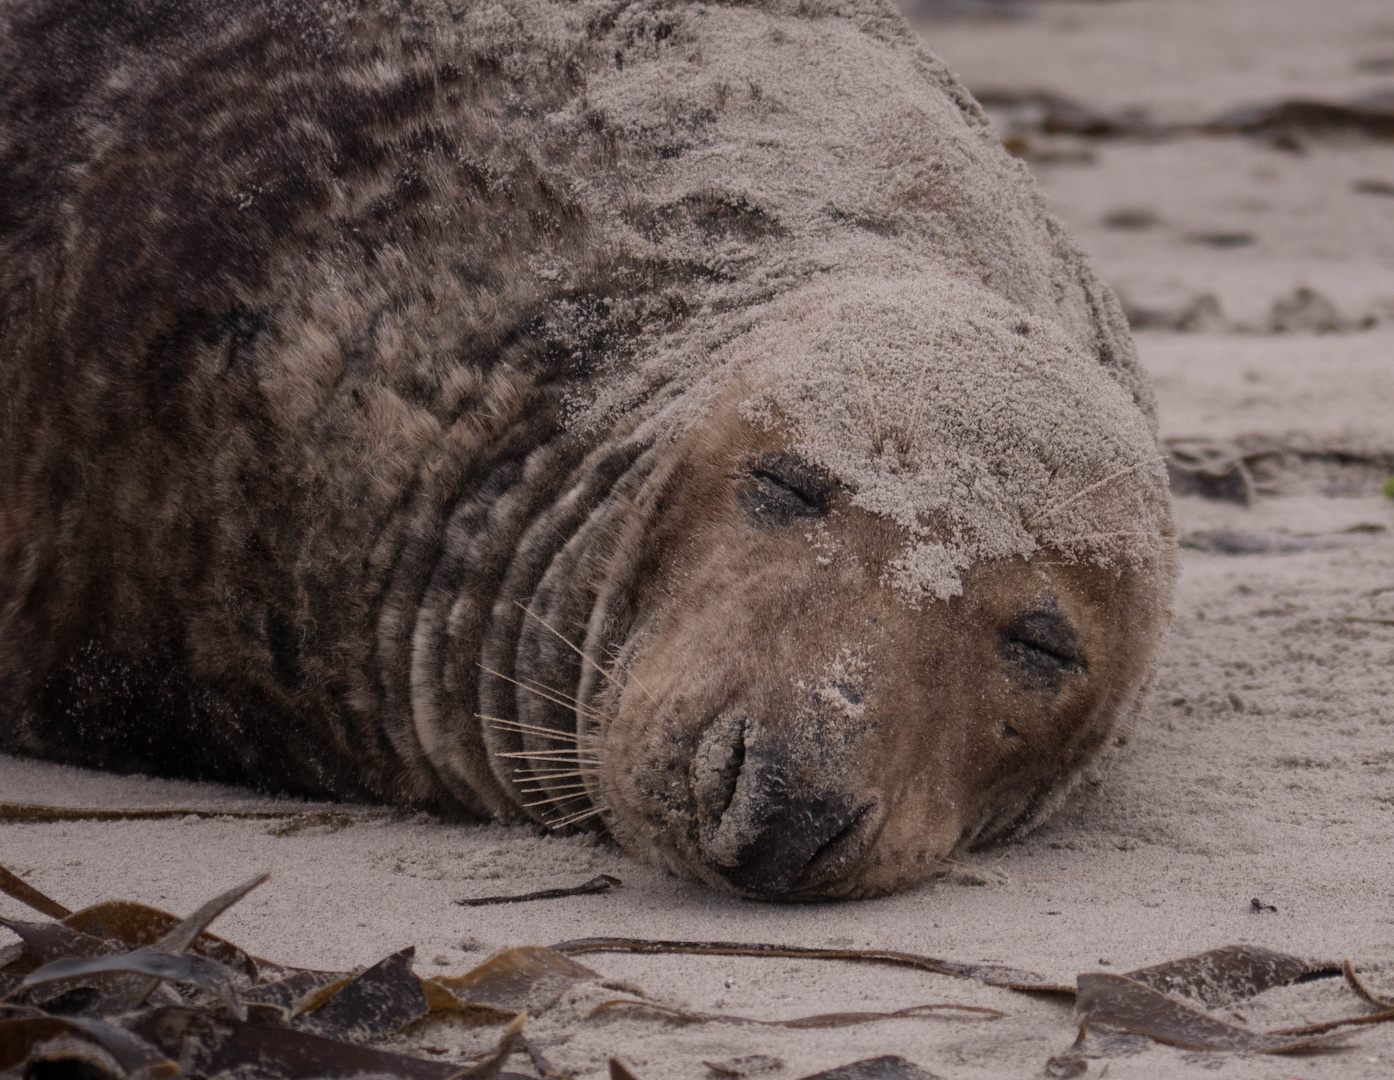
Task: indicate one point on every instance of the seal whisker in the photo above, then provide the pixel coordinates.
(552, 757)
(629, 675)
(1057, 507)
(533, 690)
(553, 763)
(574, 702)
(553, 799)
(544, 774)
(578, 651)
(520, 778)
(551, 690)
(553, 790)
(576, 741)
(576, 818)
(531, 729)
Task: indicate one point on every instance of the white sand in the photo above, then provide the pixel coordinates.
(1261, 770)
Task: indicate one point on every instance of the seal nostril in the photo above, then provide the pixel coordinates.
(729, 773)
(717, 768)
(759, 828)
(835, 850)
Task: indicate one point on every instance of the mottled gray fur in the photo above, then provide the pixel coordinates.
(298, 301)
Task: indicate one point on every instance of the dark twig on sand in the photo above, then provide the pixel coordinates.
(598, 884)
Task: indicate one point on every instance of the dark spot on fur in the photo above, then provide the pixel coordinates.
(238, 326)
(1009, 732)
(285, 648)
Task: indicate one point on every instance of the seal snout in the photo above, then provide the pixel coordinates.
(763, 824)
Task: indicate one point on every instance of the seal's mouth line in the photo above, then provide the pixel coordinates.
(840, 852)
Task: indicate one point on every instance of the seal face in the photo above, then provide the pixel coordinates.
(523, 411)
(797, 718)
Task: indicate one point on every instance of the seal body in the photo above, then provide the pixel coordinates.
(672, 418)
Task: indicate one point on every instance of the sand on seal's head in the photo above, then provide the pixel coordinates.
(982, 432)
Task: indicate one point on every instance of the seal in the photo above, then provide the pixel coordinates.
(672, 418)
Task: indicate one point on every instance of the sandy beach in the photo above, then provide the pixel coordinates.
(1253, 802)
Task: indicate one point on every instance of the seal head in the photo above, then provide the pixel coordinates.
(881, 626)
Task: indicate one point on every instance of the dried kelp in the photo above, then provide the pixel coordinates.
(35, 814)
(1354, 982)
(821, 1020)
(1154, 1001)
(195, 970)
(1210, 471)
(124, 991)
(745, 1065)
(45, 942)
(598, 884)
(527, 977)
(1118, 1001)
(127, 992)
(885, 1067)
(989, 974)
(213, 1045)
(619, 1072)
(1372, 118)
(1043, 112)
(26, 894)
(1048, 113)
(24, 1038)
(1229, 974)
(136, 926)
(382, 1000)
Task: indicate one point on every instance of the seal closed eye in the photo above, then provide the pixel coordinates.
(780, 489)
(1043, 645)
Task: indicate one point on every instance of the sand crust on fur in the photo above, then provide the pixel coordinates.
(1260, 770)
(899, 249)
